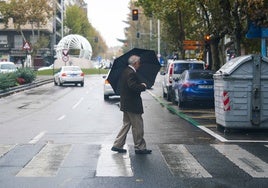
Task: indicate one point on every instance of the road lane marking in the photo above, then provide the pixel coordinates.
(246, 161)
(61, 117)
(113, 164)
(47, 162)
(182, 163)
(5, 149)
(210, 132)
(222, 139)
(76, 104)
(37, 137)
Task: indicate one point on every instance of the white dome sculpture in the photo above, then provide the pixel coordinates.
(74, 41)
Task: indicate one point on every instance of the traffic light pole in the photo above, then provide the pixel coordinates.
(135, 17)
(158, 37)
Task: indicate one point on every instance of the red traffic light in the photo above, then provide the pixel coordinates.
(135, 14)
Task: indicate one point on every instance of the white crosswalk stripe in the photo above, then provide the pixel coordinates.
(248, 162)
(185, 161)
(113, 164)
(182, 162)
(47, 162)
(5, 149)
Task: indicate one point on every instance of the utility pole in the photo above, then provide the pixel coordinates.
(151, 32)
(158, 34)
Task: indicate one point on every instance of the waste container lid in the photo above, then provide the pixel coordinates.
(229, 67)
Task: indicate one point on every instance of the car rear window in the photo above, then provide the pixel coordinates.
(7, 66)
(72, 69)
(201, 75)
(180, 67)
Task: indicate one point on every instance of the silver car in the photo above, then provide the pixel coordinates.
(7, 67)
(69, 75)
(107, 89)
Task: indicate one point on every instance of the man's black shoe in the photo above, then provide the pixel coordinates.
(144, 151)
(119, 150)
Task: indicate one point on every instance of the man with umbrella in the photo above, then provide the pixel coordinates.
(131, 105)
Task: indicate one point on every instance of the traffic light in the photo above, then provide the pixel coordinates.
(207, 38)
(135, 14)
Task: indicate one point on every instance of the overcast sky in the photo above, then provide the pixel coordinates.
(107, 17)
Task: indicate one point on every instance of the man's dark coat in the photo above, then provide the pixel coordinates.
(130, 92)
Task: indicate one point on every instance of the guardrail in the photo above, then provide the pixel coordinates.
(16, 89)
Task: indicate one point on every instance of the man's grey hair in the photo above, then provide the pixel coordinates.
(133, 59)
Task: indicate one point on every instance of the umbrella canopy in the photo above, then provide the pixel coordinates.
(146, 73)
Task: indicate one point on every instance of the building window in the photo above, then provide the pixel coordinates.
(18, 42)
(33, 40)
(3, 39)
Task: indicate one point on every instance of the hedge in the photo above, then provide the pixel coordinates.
(21, 76)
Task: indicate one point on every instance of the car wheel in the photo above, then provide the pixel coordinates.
(173, 97)
(181, 103)
(164, 94)
(55, 83)
(82, 84)
(168, 96)
(106, 97)
(59, 82)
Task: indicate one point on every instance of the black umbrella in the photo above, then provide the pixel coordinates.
(147, 71)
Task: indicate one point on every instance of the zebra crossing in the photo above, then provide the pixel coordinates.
(184, 161)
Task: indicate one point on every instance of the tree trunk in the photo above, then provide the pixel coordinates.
(32, 31)
(182, 33)
(214, 46)
(23, 37)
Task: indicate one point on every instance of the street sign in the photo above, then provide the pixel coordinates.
(65, 58)
(26, 46)
(192, 44)
(65, 52)
(188, 47)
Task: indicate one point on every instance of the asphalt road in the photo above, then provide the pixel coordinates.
(55, 136)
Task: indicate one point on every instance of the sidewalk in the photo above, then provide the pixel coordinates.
(40, 80)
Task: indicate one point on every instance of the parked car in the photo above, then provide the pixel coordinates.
(7, 67)
(69, 75)
(173, 71)
(107, 89)
(194, 86)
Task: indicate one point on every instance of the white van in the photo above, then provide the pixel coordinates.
(173, 71)
(7, 67)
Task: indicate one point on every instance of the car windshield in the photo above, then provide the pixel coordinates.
(8, 66)
(180, 67)
(200, 75)
(72, 69)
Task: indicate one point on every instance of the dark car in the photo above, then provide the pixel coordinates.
(194, 86)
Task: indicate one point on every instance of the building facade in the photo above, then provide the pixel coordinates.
(12, 42)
